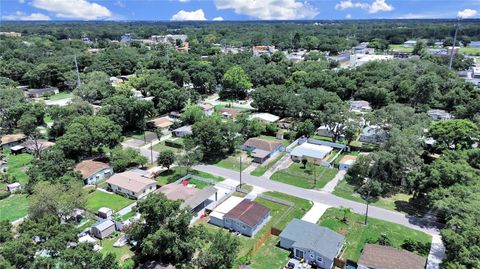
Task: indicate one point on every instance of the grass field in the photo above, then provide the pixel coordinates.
(13, 207)
(121, 253)
(176, 173)
(400, 48)
(232, 162)
(301, 206)
(356, 233)
(270, 255)
(261, 169)
(98, 199)
(470, 51)
(339, 158)
(345, 190)
(17, 166)
(301, 177)
(61, 95)
(161, 147)
(284, 142)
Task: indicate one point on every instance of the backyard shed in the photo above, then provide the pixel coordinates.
(103, 229)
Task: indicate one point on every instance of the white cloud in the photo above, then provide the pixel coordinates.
(467, 13)
(21, 16)
(183, 1)
(182, 15)
(270, 9)
(21, 1)
(349, 16)
(374, 7)
(74, 9)
(218, 19)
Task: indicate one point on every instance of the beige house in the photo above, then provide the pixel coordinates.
(93, 171)
(131, 184)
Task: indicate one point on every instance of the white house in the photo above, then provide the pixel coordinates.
(93, 171)
(312, 152)
(131, 184)
(439, 114)
(359, 105)
(265, 117)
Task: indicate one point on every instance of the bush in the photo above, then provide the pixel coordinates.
(173, 144)
(414, 246)
(4, 194)
(128, 264)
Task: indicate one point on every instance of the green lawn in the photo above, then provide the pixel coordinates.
(269, 255)
(176, 173)
(470, 51)
(357, 234)
(13, 207)
(121, 253)
(61, 95)
(47, 119)
(85, 224)
(400, 48)
(17, 166)
(161, 147)
(232, 162)
(284, 142)
(261, 169)
(98, 199)
(301, 206)
(396, 202)
(301, 177)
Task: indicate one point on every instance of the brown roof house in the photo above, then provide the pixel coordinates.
(262, 149)
(11, 140)
(385, 257)
(162, 123)
(247, 217)
(93, 171)
(131, 184)
(207, 108)
(196, 199)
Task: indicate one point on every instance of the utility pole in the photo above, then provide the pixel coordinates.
(78, 73)
(452, 52)
(151, 152)
(240, 171)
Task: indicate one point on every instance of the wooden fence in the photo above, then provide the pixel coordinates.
(261, 240)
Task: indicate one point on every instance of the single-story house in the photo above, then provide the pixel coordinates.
(439, 114)
(103, 229)
(312, 242)
(287, 123)
(311, 152)
(41, 145)
(324, 131)
(93, 171)
(359, 105)
(37, 93)
(216, 216)
(162, 123)
(347, 162)
(247, 217)
(182, 131)
(373, 134)
(13, 187)
(230, 112)
(105, 213)
(261, 149)
(131, 184)
(10, 140)
(196, 199)
(265, 117)
(207, 108)
(385, 257)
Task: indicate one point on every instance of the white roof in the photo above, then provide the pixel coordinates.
(17, 147)
(87, 239)
(102, 226)
(226, 206)
(311, 150)
(265, 117)
(104, 210)
(14, 185)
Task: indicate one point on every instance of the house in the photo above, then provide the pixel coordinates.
(230, 112)
(261, 50)
(40, 145)
(10, 140)
(439, 114)
(373, 134)
(131, 184)
(196, 199)
(247, 217)
(287, 123)
(162, 123)
(311, 242)
(359, 105)
(37, 93)
(103, 229)
(105, 213)
(346, 162)
(207, 108)
(13, 187)
(361, 59)
(324, 131)
(216, 216)
(265, 117)
(385, 257)
(311, 152)
(182, 131)
(126, 38)
(93, 171)
(261, 149)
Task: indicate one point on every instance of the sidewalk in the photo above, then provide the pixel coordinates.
(437, 252)
(281, 164)
(315, 213)
(333, 183)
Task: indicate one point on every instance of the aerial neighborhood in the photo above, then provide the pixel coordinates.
(228, 144)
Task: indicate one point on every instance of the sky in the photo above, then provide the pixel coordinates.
(238, 10)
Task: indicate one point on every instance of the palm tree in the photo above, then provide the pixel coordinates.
(346, 211)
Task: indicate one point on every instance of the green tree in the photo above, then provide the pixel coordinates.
(221, 253)
(458, 134)
(128, 112)
(235, 83)
(192, 113)
(51, 166)
(122, 158)
(166, 158)
(305, 128)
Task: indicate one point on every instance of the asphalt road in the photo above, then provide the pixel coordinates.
(421, 224)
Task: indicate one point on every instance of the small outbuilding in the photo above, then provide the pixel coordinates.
(105, 213)
(347, 162)
(14, 187)
(103, 229)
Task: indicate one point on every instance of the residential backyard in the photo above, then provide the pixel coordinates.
(17, 167)
(174, 174)
(98, 199)
(13, 207)
(122, 253)
(357, 234)
(232, 162)
(261, 169)
(299, 176)
(269, 255)
(284, 142)
(159, 147)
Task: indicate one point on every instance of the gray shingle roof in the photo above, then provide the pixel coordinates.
(312, 236)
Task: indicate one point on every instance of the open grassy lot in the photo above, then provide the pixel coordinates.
(17, 166)
(356, 233)
(174, 174)
(470, 51)
(400, 48)
(284, 142)
(270, 255)
(61, 95)
(261, 169)
(121, 253)
(396, 202)
(232, 162)
(301, 206)
(13, 207)
(162, 147)
(98, 199)
(301, 177)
